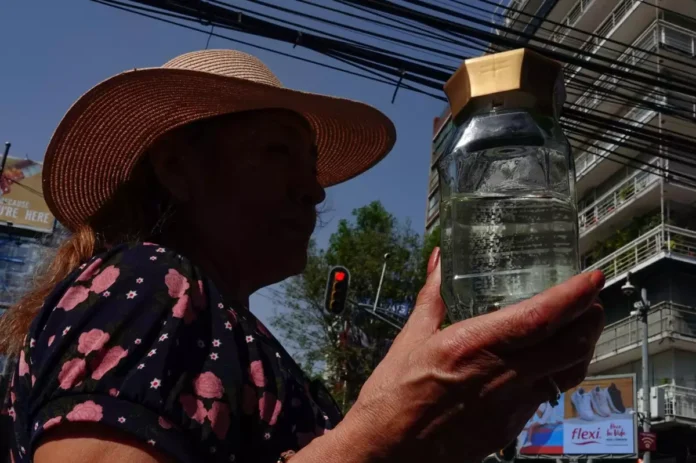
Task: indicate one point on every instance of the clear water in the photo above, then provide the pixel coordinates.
(499, 249)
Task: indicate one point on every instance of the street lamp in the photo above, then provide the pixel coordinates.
(642, 306)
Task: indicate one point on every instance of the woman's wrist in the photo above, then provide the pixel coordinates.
(352, 441)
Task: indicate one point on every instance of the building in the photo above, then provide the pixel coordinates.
(637, 218)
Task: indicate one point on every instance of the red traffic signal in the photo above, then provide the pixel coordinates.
(337, 290)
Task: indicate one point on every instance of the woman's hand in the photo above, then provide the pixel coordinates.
(461, 393)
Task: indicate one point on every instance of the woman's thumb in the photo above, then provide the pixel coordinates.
(429, 312)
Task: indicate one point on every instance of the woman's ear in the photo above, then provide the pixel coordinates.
(171, 167)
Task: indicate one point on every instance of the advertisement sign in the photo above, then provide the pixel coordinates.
(596, 418)
(21, 196)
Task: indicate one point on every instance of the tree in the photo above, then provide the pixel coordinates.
(346, 348)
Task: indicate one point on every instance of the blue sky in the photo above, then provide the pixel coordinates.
(50, 55)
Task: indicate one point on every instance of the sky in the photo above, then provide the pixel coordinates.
(53, 53)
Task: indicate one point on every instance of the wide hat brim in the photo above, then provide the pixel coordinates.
(105, 133)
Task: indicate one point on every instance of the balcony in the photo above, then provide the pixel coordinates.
(513, 11)
(635, 55)
(659, 34)
(613, 204)
(575, 14)
(620, 342)
(612, 27)
(680, 403)
(664, 241)
(586, 174)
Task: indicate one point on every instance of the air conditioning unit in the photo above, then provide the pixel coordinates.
(657, 403)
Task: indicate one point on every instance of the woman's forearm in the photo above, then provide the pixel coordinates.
(350, 442)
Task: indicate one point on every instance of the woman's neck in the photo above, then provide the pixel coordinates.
(226, 271)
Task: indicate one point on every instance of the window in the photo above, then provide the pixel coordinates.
(433, 203)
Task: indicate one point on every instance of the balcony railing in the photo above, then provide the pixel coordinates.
(635, 55)
(665, 319)
(599, 150)
(678, 38)
(659, 33)
(513, 10)
(663, 240)
(561, 31)
(620, 196)
(680, 402)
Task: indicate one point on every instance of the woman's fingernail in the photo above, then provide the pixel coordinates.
(597, 279)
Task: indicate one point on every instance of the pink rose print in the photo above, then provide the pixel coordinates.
(90, 271)
(208, 385)
(71, 373)
(219, 416)
(86, 411)
(13, 397)
(182, 309)
(249, 401)
(92, 340)
(12, 413)
(23, 365)
(105, 362)
(52, 422)
(256, 372)
(113, 392)
(269, 408)
(51, 339)
(33, 380)
(164, 423)
(150, 244)
(105, 279)
(193, 407)
(320, 431)
(176, 282)
(72, 297)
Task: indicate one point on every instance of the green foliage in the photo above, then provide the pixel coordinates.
(359, 245)
(635, 228)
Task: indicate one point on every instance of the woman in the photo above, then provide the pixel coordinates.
(189, 187)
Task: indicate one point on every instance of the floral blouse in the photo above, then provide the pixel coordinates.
(139, 340)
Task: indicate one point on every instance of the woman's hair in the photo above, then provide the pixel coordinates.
(142, 207)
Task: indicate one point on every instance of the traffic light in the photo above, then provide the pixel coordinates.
(337, 290)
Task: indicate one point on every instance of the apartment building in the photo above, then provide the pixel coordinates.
(636, 211)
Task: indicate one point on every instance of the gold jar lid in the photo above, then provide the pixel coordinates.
(512, 79)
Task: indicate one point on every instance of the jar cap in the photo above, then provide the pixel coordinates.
(512, 79)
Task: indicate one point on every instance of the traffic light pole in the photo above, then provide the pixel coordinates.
(381, 280)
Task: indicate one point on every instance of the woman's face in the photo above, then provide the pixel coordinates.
(249, 188)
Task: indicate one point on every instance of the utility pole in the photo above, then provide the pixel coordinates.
(644, 309)
(4, 157)
(642, 306)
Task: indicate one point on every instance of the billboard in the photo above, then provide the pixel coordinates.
(596, 418)
(21, 196)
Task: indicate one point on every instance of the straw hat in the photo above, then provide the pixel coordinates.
(104, 134)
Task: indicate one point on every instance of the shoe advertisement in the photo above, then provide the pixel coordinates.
(595, 418)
